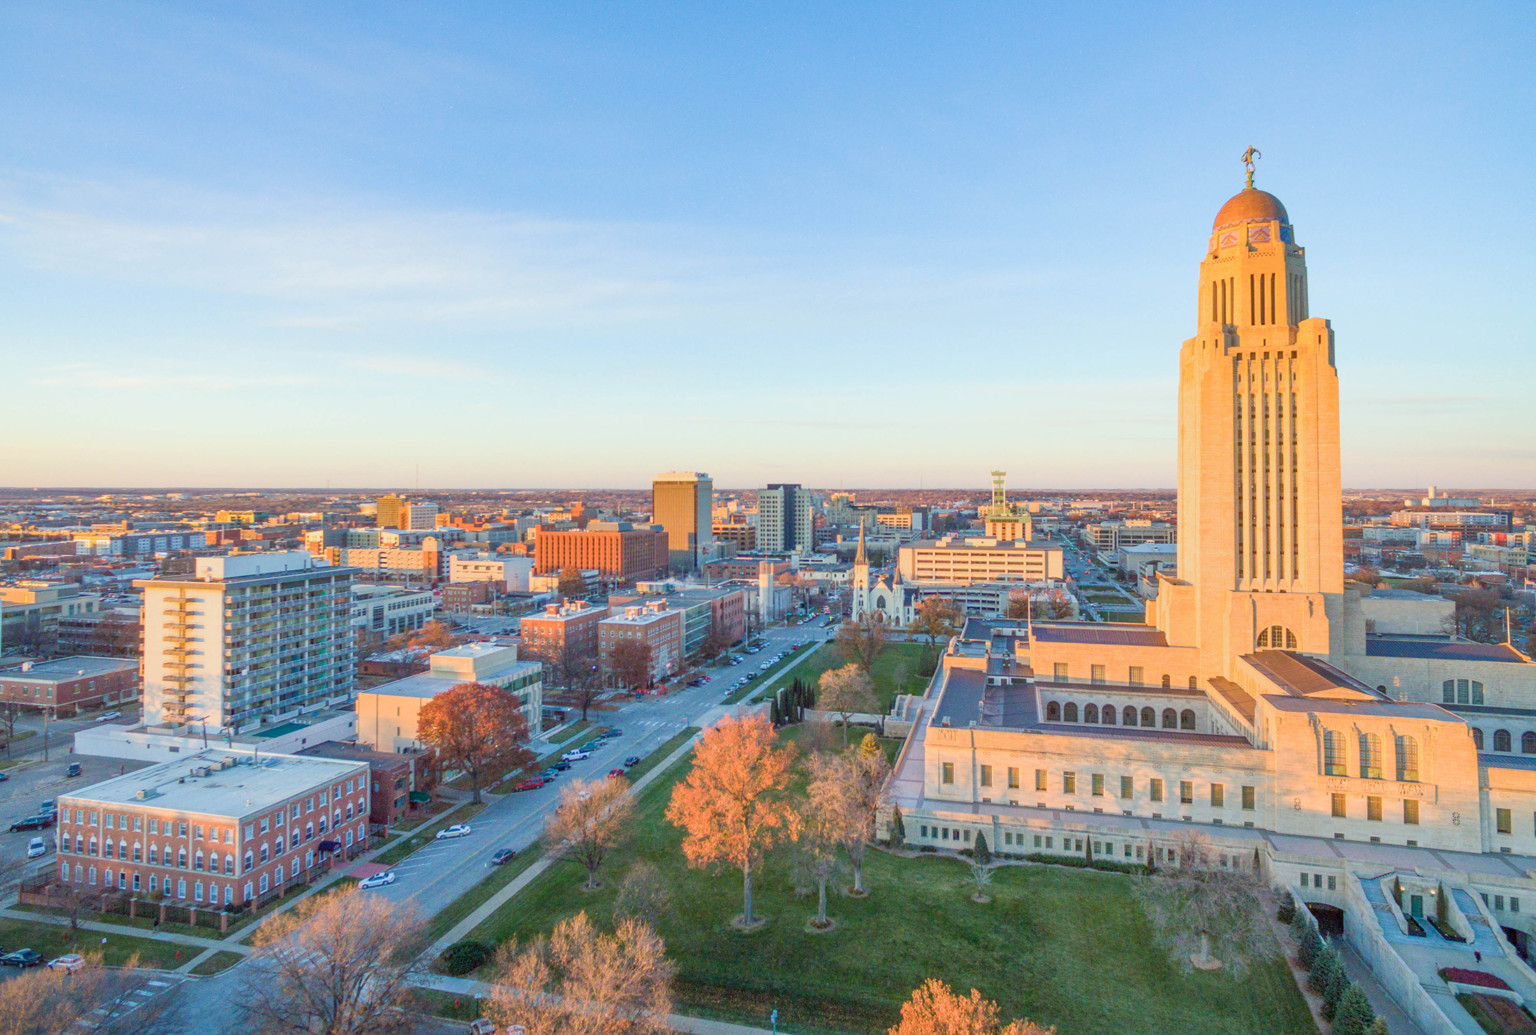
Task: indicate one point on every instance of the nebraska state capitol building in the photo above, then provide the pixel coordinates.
(1257, 705)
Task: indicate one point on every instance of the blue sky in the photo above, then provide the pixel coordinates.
(862, 245)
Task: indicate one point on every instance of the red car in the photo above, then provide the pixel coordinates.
(612, 773)
(533, 783)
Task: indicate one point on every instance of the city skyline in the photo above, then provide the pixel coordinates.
(827, 249)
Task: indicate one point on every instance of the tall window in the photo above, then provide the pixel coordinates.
(1477, 738)
(1528, 743)
(1091, 714)
(1187, 719)
(1148, 717)
(1501, 740)
(1069, 713)
(1370, 756)
(1407, 759)
(1333, 753)
(1128, 716)
(1170, 719)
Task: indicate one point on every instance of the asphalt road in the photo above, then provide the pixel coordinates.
(434, 876)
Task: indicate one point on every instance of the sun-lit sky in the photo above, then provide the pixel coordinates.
(573, 245)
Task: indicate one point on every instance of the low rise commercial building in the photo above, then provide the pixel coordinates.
(1109, 536)
(379, 612)
(397, 784)
(956, 560)
(617, 549)
(562, 631)
(30, 611)
(219, 827)
(654, 625)
(509, 573)
(387, 716)
(66, 686)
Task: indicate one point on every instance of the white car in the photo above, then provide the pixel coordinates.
(71, 961)
(378, 880)
(36, 847)
(457, 830)
(575, 756)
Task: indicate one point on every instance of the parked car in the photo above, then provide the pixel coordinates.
(614, 773)
(631, 761)
(22, 959)
(549, 774)
(503, 855)
(457, 830)
(4, 776)
(48, 808)
(612, 733)
(378, 880)
(109, 716)
(482, 1026)
(75, 769)
(533, 783)
(70, 961)
(32, 823)
(36, 847)
(577, 755)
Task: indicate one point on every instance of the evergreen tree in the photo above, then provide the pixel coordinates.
(1299, 924)
(1378, 1027)
(1088, 850)
(1333, 993)
(898, 828)
(981, 852)
(1354, 1016)
(1324, 968)
(1311, 945)
(1286, 914)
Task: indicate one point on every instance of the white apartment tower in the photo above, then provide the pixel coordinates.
(784, 520)
(248, 639)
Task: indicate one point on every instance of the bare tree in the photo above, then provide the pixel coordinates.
(868, 776)
(1203, 914)
(10, 711)
(643, 894)
(981, 879)
(338, 964)
(825, 814)
(846, 691)
(106, 999)
(578, 673)
(935, 1010)
(584, 982)
(593, 816)
(936, 617)
(862, 641)
(630, 663)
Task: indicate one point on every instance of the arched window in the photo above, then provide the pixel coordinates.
(1069, 713)
(1528, 743)
(1477, 738)
(229, 894)
(1461, 691)
(1370, 756)
(1501, 740)
(229, 864)
(1333, 753)
(1052, 712)
(1187, 719)
(1149, 717)
(1107, 716)
(1091, 714)
(1128, 716)
(1194, 684)
(1407, 759)
(1167, 681)
(1277, 637)
(1170, 719)
(250, 861)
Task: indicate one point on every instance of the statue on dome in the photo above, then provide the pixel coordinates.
(1248, 157)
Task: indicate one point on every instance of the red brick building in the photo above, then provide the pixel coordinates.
(392, 779)
(654, 625)
(64, 686)
(461, 597)
(563, 630)
(616, 548)
(220, 827)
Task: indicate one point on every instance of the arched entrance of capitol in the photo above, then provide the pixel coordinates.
(1330, 919)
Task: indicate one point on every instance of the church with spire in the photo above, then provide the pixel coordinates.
(1292, 719)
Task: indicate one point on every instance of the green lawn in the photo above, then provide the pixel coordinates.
(499, 877)
(1063, 947)
(217, 963)
(55, 940)
(570, 731)
(764, 677)
(406, 845)
(898, 669)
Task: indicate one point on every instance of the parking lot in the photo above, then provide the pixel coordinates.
(33, 782)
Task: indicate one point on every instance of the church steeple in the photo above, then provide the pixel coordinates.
(860, 557)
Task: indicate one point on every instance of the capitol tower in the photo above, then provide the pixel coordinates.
(1260, 552)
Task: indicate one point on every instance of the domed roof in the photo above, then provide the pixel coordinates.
(1250, 204)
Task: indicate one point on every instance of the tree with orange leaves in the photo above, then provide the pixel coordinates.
(935, 1010)
(477, 729)
(733, 806)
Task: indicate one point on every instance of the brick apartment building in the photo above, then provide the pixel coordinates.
(654, 625)
(617, 549)
(220, 827)
(397, 784)
(563, 630)
(64, 686)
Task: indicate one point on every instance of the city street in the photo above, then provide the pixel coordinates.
(441, 872)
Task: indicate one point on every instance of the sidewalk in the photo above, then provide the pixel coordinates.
(462, 929)
(470, 988)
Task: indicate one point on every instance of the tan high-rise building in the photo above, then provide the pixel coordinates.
(388, 513)
(1259, 530)
(682, 502)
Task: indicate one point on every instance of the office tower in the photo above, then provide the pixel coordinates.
(682, 502)
(388, 513)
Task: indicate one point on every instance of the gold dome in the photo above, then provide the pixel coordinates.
(1250, 204)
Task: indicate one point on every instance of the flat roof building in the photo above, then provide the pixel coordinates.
(65, 686)
(387, 715)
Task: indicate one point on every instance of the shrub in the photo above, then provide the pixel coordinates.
(1311, 945)
(898, 828)
(982, 853)
(1324, 968)
(1287, 910)
(463, 958)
